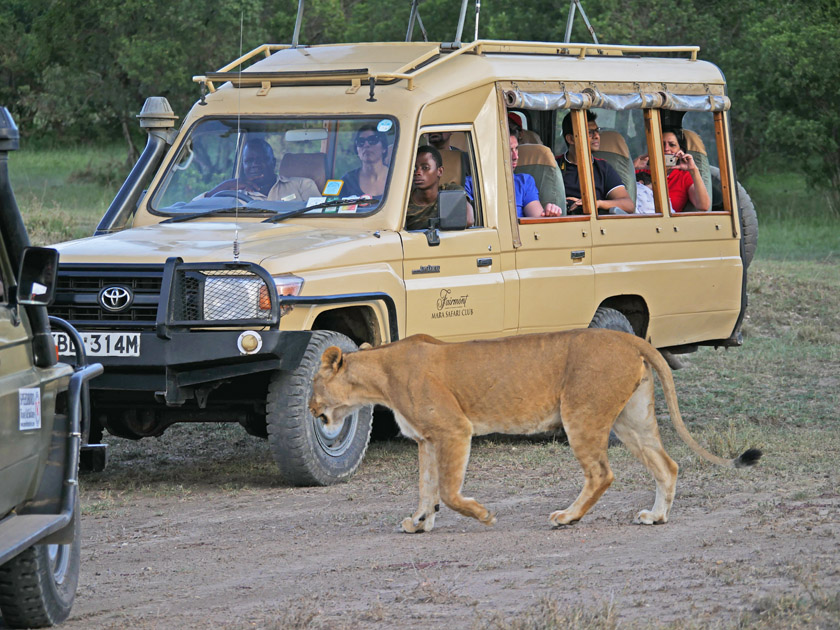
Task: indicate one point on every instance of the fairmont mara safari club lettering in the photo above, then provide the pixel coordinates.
(449, 306)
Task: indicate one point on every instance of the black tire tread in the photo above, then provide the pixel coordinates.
(611, 319)
(287, 416)
(28, 597)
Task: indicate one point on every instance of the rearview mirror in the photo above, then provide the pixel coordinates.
(305, 135)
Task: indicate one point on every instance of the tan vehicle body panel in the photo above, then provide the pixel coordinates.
(687, 269)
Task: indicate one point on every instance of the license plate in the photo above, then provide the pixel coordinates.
(100, 344)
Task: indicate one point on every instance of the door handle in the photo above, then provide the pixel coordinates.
(578, 254)
(484, 262)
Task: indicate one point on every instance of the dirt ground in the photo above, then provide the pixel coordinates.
(170, 549)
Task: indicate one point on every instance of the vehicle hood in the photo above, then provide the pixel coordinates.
(212, 241)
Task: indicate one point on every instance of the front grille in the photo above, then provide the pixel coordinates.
(78, 287)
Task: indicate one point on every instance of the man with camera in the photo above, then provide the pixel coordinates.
(609, 188)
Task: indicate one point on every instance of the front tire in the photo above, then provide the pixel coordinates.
(38, 586)
(306, 453)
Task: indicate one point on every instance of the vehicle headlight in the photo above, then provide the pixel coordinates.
(231, 297)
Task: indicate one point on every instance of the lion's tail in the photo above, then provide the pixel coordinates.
(652, 356)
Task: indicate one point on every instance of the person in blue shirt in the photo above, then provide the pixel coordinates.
(526, 195)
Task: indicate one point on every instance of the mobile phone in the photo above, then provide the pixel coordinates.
(670, 160)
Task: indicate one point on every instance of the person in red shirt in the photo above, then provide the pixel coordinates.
(684, 180)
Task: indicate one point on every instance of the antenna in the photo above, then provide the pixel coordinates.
(415, 14)
(573, 5)
(298, 22)
(477, 11)
(457, 42)
(238, 139)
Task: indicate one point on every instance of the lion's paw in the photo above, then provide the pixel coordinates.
(410, 527)
(489, 520)
(561, 518)
(646, 517)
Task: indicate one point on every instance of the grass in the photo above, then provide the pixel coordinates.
(62, 193)
(795, 222)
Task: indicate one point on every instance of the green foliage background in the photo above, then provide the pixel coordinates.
(78, 72)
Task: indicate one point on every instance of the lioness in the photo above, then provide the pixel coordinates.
(442, 394)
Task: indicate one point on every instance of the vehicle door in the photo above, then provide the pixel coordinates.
(455, 289)
(20, 413)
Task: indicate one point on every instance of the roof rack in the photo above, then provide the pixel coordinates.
(425, 62)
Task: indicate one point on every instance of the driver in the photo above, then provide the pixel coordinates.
(258, 179)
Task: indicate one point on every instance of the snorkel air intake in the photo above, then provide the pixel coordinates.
(158, 119)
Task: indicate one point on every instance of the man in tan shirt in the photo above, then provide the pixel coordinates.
(259, 179)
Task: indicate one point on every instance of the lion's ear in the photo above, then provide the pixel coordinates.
(332, 358)
(365, 346)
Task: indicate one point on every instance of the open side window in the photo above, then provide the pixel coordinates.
(445, 191)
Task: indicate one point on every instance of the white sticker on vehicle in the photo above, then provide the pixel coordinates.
(30, 408)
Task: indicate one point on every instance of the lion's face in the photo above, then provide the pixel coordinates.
(330, 392)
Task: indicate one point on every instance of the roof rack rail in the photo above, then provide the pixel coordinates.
(425, 62)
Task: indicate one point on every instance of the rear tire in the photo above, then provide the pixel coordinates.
(746, 207)
(306, 453)
(38, 586)
(611, 319)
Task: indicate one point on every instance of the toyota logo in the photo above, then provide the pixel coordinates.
(115, 299)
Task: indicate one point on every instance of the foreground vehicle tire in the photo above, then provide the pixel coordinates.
(749, 218)
(38, 586)
(306, 453)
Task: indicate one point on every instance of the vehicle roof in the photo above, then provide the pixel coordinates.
(436, 66)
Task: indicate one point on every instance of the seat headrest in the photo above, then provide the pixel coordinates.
(453, 172)
(536, 154)
(614, 142)
(311, 165)
(526, 136)
(693, 142)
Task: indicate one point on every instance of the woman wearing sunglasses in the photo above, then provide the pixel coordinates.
(369, 179)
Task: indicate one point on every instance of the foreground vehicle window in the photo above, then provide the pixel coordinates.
(334, 166)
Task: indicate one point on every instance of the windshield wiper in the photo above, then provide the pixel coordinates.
(327, 204)
(218, 211)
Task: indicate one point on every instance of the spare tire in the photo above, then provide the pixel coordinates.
(746, 210)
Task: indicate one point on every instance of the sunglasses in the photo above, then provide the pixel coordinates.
(367, 140)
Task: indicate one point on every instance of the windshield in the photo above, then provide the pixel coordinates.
(279, 165)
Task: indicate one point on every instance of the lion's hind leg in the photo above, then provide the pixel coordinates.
(423, 520)
(591, 453)
(636, 427)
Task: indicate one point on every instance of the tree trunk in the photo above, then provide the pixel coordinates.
(133, 153)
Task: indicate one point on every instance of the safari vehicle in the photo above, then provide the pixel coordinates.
(207, 303)
(41, 426)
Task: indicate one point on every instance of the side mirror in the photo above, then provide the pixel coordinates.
(453, 209)
(37, 277)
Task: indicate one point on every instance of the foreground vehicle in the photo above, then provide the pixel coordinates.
(215, 280)
(41, 427)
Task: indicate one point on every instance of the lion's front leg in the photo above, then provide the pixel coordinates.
(423, 520)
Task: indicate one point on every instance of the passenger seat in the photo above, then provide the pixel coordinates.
(311, 165)
(614, 150)
(694, 145)
(537, 161)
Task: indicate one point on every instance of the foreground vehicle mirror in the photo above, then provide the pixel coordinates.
(453, 209)
(38, 272)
